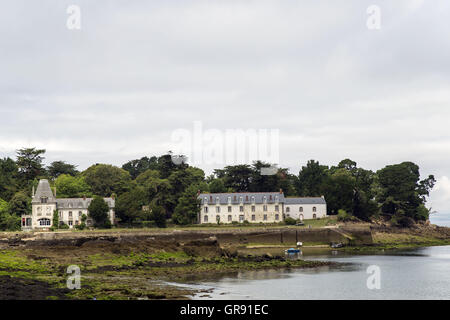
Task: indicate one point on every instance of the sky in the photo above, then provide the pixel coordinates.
(138, 73)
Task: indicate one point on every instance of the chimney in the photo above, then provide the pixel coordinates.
(32, 193)
(281, 191)
(84, 197)
(55, 191)
(198, 193)
(113, 196)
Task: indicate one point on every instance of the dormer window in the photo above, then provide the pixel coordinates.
(217, 200)
(241, 199)
(44, 200)
(229, 199)
(253, 199)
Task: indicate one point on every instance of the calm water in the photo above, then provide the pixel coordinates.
(411, 274)
(440, 219)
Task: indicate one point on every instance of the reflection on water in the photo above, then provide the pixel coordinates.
(422, 273)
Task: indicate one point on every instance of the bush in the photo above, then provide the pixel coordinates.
(290, 221)
(63, 226)
(402, 221)
(344, 216)
(81, 226)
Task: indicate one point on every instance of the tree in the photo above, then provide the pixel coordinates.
(188, 207)
(236, 177)
(57, 168)
(339, 190)
(217, 186)
(105, 179)
(98, 210)
(129, 204)
(311, 179)
(20, 204)
(29, 162)
(8, 221)
(8, 178)
(138, 166)
(401, 193)
(55, 220)
(68, 186)
(158, 215)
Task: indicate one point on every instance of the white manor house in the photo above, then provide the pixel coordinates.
(256, 207)
(70, 210)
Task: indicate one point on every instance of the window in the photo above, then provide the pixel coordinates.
(39, 211)
(218, 218)
(80, 213)
(301, 217)
(253, 208)
(70, 223)
(300, 209)
(217, 209)
(44, 222)
(288, 209)
(314, 216)
(60, 215)
(314, 209)
(241, 218)
(229, 199)
(253, 217)
(241, 199)
(277, 217)
(70, 204)
(70, 214)
(246, 198)
(205, 209)
(229, 217)
(217, 200)
(229, 208)
(253, 199)
(270, 198)
(241, 208)
(265, 207)
(44, 200)
(277, 208)
(205, 218)
(265, 217)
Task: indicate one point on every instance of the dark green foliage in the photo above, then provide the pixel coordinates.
(138, 166)
(29, 162)
(290, 221)
(129, 205)
(105, 180)
(98, 211)
(56, 168)
(8, 178)
(20, 204)
(311, 179)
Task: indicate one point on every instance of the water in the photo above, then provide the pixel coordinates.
(440, 219)
(410, 274)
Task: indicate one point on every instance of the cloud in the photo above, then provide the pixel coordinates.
(440, 196)
(137, 71)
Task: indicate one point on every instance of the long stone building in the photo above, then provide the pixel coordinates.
(70, 210)
(256, 207)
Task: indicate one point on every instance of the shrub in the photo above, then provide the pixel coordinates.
(344, 216)
(290, 221)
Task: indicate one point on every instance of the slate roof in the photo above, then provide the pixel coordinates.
(247, 197)
(305, 200)
(43, 191)
(80, 203)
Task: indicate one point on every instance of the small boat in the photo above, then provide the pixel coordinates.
(292, 250)
(337, 245)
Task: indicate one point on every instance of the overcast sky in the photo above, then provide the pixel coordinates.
(137, 71)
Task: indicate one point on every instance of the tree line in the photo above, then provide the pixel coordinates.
(156, 190)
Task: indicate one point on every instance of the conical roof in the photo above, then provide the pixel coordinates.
(43, 191)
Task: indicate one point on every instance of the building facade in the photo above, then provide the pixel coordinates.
(70, 210)
(305, 208)
(257, 207)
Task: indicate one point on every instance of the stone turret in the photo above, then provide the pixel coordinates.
(43, 193)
